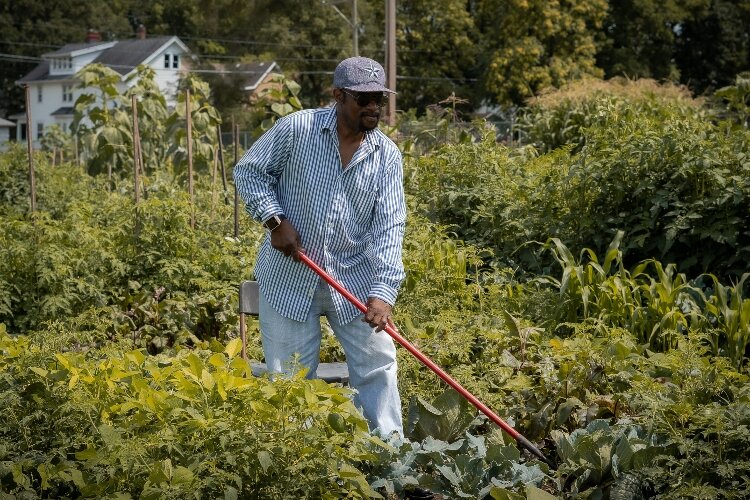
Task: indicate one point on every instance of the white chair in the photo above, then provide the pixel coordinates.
(249, 293)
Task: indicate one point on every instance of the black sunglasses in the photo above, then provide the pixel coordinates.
(365, 98)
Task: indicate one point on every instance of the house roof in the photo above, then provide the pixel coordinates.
(6, 123)
(123, 56)
(256, 72)
(126, 55)
(77, 49)
(65, 110)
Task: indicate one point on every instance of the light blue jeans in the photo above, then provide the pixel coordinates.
(370, 356)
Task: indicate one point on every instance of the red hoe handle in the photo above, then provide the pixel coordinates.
(391, 330)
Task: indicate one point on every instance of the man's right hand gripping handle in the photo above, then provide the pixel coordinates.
(286, 240)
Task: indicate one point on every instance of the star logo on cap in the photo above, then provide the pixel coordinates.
(373, 71)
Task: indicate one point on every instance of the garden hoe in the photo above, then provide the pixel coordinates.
(391, 330)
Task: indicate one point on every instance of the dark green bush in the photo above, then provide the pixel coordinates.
(675, 183)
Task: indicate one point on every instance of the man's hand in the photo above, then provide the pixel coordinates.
(378, 313)
(286, 240)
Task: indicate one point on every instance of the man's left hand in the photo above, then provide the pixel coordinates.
(378, 313)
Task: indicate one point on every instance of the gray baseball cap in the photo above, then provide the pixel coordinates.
(360, 74)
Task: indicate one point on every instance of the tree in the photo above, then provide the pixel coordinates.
(714, 44)
(534, 44)
(640, 37)
(309, 39)
(437, 53)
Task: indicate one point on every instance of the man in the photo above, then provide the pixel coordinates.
(328, 182)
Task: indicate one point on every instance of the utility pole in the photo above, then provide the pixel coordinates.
(353, 23)
(390, 58)
(355, 29)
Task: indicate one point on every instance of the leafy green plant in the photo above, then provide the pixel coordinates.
(128, 424)
(730, 311)
(57, 141)
(279, 98)
(559, 117)
(736, 99)
(602, 459)
(101, 123)
(204, 120)
(698, 405)
(152, 117)
(451, 453)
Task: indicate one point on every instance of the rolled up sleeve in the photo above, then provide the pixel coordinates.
(258, 171)
(388, 226)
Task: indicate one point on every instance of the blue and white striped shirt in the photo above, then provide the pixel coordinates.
(350, 221)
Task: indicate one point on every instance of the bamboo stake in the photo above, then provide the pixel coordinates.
(215, 167)
(136, 152)
(221, 163)
(75, 148)
(236, 135)
(136, 166)
(30, 149)
(189, 120)
(141, 168)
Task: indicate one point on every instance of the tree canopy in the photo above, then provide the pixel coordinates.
(485, 51)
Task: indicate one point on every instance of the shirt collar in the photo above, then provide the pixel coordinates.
(329, 120)
(328, 123)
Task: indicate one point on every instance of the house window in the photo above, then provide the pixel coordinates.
(23, 131)
(171, 61)
(67, 91)
(39, 93)
(39, 130)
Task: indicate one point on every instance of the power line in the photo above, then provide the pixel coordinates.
(30, 44)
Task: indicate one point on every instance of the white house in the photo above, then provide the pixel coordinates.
(5, 127)
(54, 88)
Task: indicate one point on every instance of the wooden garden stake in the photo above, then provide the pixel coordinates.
(136, 162)
(236, 135)
(30, 149)
(221, 164)
(215, 166)
(136, 151)
(189, 121)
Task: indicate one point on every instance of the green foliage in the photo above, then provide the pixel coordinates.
(440, 125)
(657, 169)
(560, 117)
(123, 423)
(699, 405)
(279, 98)
(166, 285)
(449, 455)
(676, 185)
(736, 99)
(728, 310)
(533, 44)
(56, 139)
(444, 47)
(101, 123)
(491, 196)
(152, 116)
(601, 459)
(640, 38)
(204, 121)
